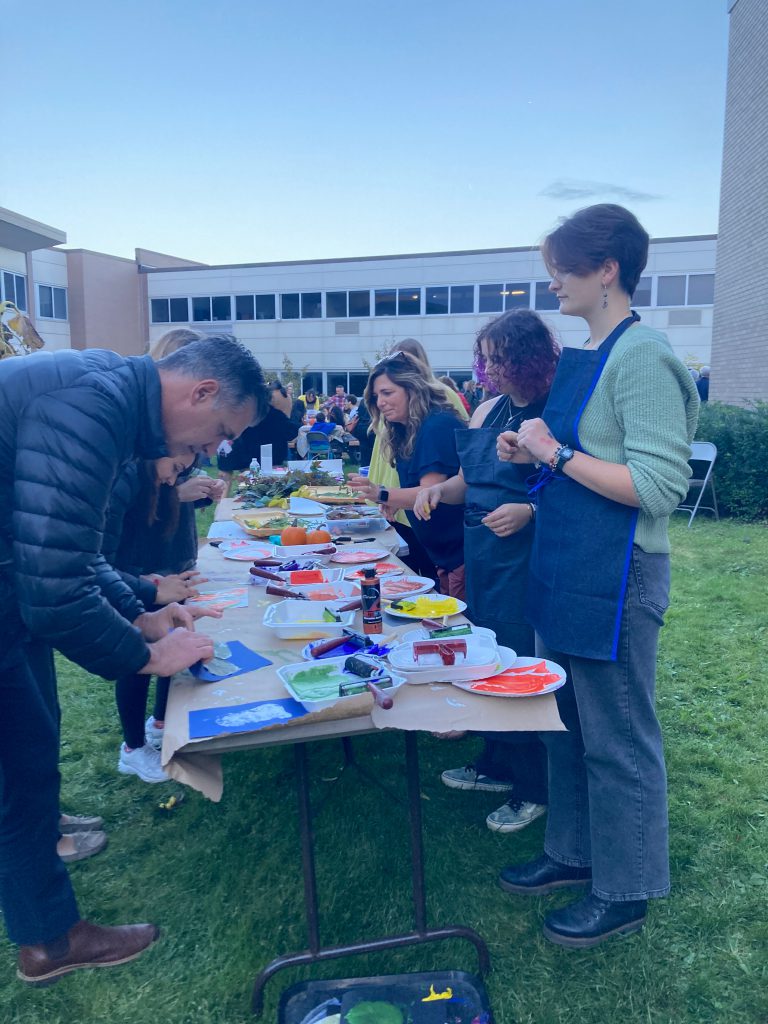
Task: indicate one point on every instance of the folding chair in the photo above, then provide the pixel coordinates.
(702, 461)
(318, 445)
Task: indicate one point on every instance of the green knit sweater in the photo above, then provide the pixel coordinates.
(643, 414)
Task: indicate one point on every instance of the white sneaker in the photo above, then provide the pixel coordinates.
(144, 762)
(152, 735)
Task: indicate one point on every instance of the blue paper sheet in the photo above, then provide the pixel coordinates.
(243, 717)
(240, 656)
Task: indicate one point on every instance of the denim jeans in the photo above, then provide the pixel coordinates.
(607, 779)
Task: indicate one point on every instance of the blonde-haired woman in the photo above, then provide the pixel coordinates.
(416, 425)
(384, 471)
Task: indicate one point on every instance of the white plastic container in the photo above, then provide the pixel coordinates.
(344, 591)
(287, 672)
(482, 658)
(303, 551)
(303, 620)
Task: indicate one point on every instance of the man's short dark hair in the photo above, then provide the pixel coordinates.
(222, 358)
(352, 399)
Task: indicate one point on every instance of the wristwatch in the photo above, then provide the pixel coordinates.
(383, 497)
(562, 455)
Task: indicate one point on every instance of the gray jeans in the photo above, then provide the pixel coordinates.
(607, 780)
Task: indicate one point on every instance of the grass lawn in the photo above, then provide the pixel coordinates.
(224, 880)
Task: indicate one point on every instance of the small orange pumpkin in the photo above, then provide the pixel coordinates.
(293, 535)
(318, 537)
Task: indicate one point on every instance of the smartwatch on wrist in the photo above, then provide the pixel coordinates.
(383, 497)
(562, 455)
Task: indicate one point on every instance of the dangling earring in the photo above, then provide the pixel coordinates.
(605, 297)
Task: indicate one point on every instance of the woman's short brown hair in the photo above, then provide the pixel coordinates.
(584, 241)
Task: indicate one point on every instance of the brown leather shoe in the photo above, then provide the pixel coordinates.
(84, 945)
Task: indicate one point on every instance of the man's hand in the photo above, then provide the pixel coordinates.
(199, 611)
(508, 519)
(156, 625)
(284, 403)
(177, 651)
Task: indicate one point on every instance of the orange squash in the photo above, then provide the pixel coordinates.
(293, 535)
(318, 537)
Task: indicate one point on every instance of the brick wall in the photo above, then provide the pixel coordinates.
(740, 331)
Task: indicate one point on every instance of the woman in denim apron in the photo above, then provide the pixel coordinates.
(516, 355)
(613, 443)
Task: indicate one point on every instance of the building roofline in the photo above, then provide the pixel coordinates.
(143, 269)
(96, 252)
(22, 234)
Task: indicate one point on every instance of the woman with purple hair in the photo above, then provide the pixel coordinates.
(515, 358)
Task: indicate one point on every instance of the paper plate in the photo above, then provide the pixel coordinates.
(438, 599)
(509, 674)
(359, 556)
(245, 550)
(405, 586)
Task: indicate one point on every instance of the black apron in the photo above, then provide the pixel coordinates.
(498, 566)
(583, 541)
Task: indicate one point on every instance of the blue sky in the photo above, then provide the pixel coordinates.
(248, 130)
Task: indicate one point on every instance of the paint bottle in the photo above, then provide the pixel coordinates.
(370, 589)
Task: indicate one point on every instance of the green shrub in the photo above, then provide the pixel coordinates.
(741, 436)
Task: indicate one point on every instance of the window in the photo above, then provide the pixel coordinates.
(265, 307)
(244, 307)
(312, 380)
(462, 298)
(385, 302)
(409, 301)
(357, 383)
(491, 298)
(545, 299)
(169, 311)
(642, 296)
(517, 296)
(360, 303)
(52, 302)
(15, 290)
(335, 304)
(701, 289)
(289, 306)
(334, 379)
(311, 305)
(671, 290)
(436, 301)
(206, 308)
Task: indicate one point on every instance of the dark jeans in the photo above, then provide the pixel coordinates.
(519, 758)
(35, 892)
(607, 780)
(131, 695)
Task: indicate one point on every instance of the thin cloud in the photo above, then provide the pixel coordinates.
(569, 189)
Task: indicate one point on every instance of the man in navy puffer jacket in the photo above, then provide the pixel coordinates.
(69, 422)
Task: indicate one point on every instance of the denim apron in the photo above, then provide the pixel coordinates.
(583, 541)
(499, 565)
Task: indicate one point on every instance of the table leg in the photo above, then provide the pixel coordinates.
(317, 953)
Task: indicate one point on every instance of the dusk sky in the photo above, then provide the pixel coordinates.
(256, 131)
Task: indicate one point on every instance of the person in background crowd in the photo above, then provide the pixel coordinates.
(350, 408)
(74, 419)
(337, 399)
(359, 426)
(702, 384)
(310, 401)
(451, 383)
(322, 425)
(516, 351)
(417, 425)
(614, 440)
(385, 472)
(472, 393)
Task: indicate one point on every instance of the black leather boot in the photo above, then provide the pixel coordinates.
(592, 920)
(542, 875)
